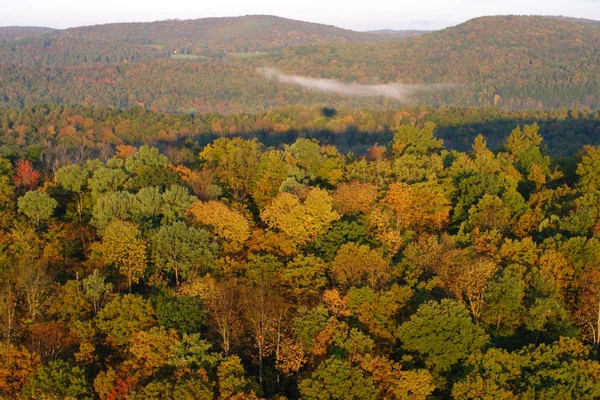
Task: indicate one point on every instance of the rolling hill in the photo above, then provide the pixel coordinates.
(510, 61)
(513, 62)
(180, 39)
(234, 34)
(22, 32)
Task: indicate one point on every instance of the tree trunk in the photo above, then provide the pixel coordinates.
(260, 366)
(597, 333)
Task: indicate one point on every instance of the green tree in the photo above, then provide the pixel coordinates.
(182, 313)
(308, 323)
(560, 370)
(410, 139)
(194, 352)
(112, 206)
(524, 146)
(304, 277)
(7, 193)
(338, 379)
(271, 172)
(145, 157)
(444, 335)
(37, 206)
(233, 382)
(504, 310)
(181, 249)
(490, 213)
(377, 311)
(74, 178)
(96, 290)
(176, 201)
(123, 317)
(58, 379)
(105, 180)
(341, 232)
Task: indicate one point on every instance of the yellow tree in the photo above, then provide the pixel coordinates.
(235, 162)
(587, 313)
(228, 225)
(382, 224)
(269, 242)
(458, 270)
(301, 221)
(123, 246)
(395, 383)
(16, 364)
(270, 174)
(200, 181)
(355, 197)
(356, 265)
(150, 350)
(233, 382)
(422, 207)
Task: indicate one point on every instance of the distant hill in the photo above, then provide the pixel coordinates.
(145, 41)
(581, 21)
(235, 34)
(21, 32)
(510, 61)
(513, 62)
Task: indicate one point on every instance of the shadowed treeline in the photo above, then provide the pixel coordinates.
(44, 133)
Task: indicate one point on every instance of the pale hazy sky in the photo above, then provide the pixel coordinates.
(350, 14)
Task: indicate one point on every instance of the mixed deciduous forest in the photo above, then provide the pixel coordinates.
(173, 256)
(175, 225)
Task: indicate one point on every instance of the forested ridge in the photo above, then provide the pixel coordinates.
(206, 37)
(511, 62)
(22, 32)
(153, 256)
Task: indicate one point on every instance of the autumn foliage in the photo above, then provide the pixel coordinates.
(241, 270)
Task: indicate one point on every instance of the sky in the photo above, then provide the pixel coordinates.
(350, 14)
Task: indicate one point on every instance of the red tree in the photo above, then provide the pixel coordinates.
(25, 175)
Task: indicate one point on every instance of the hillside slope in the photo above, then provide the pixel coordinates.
(21, 32)
(181, 39)
(509, 61)
(512, 62)
(236, 34)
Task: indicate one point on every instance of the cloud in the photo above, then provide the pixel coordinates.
(395, 91)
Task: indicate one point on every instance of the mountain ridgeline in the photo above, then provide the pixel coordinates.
(211, 65)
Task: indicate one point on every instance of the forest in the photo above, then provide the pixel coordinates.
(212, 65)
(304, 252)
(175, 224)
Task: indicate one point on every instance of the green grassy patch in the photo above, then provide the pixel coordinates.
(247, 55)
(186, 57)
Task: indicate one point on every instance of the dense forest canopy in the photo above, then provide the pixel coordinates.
(47, 130)
(235, 34)
(211, 65)
(153, 256)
